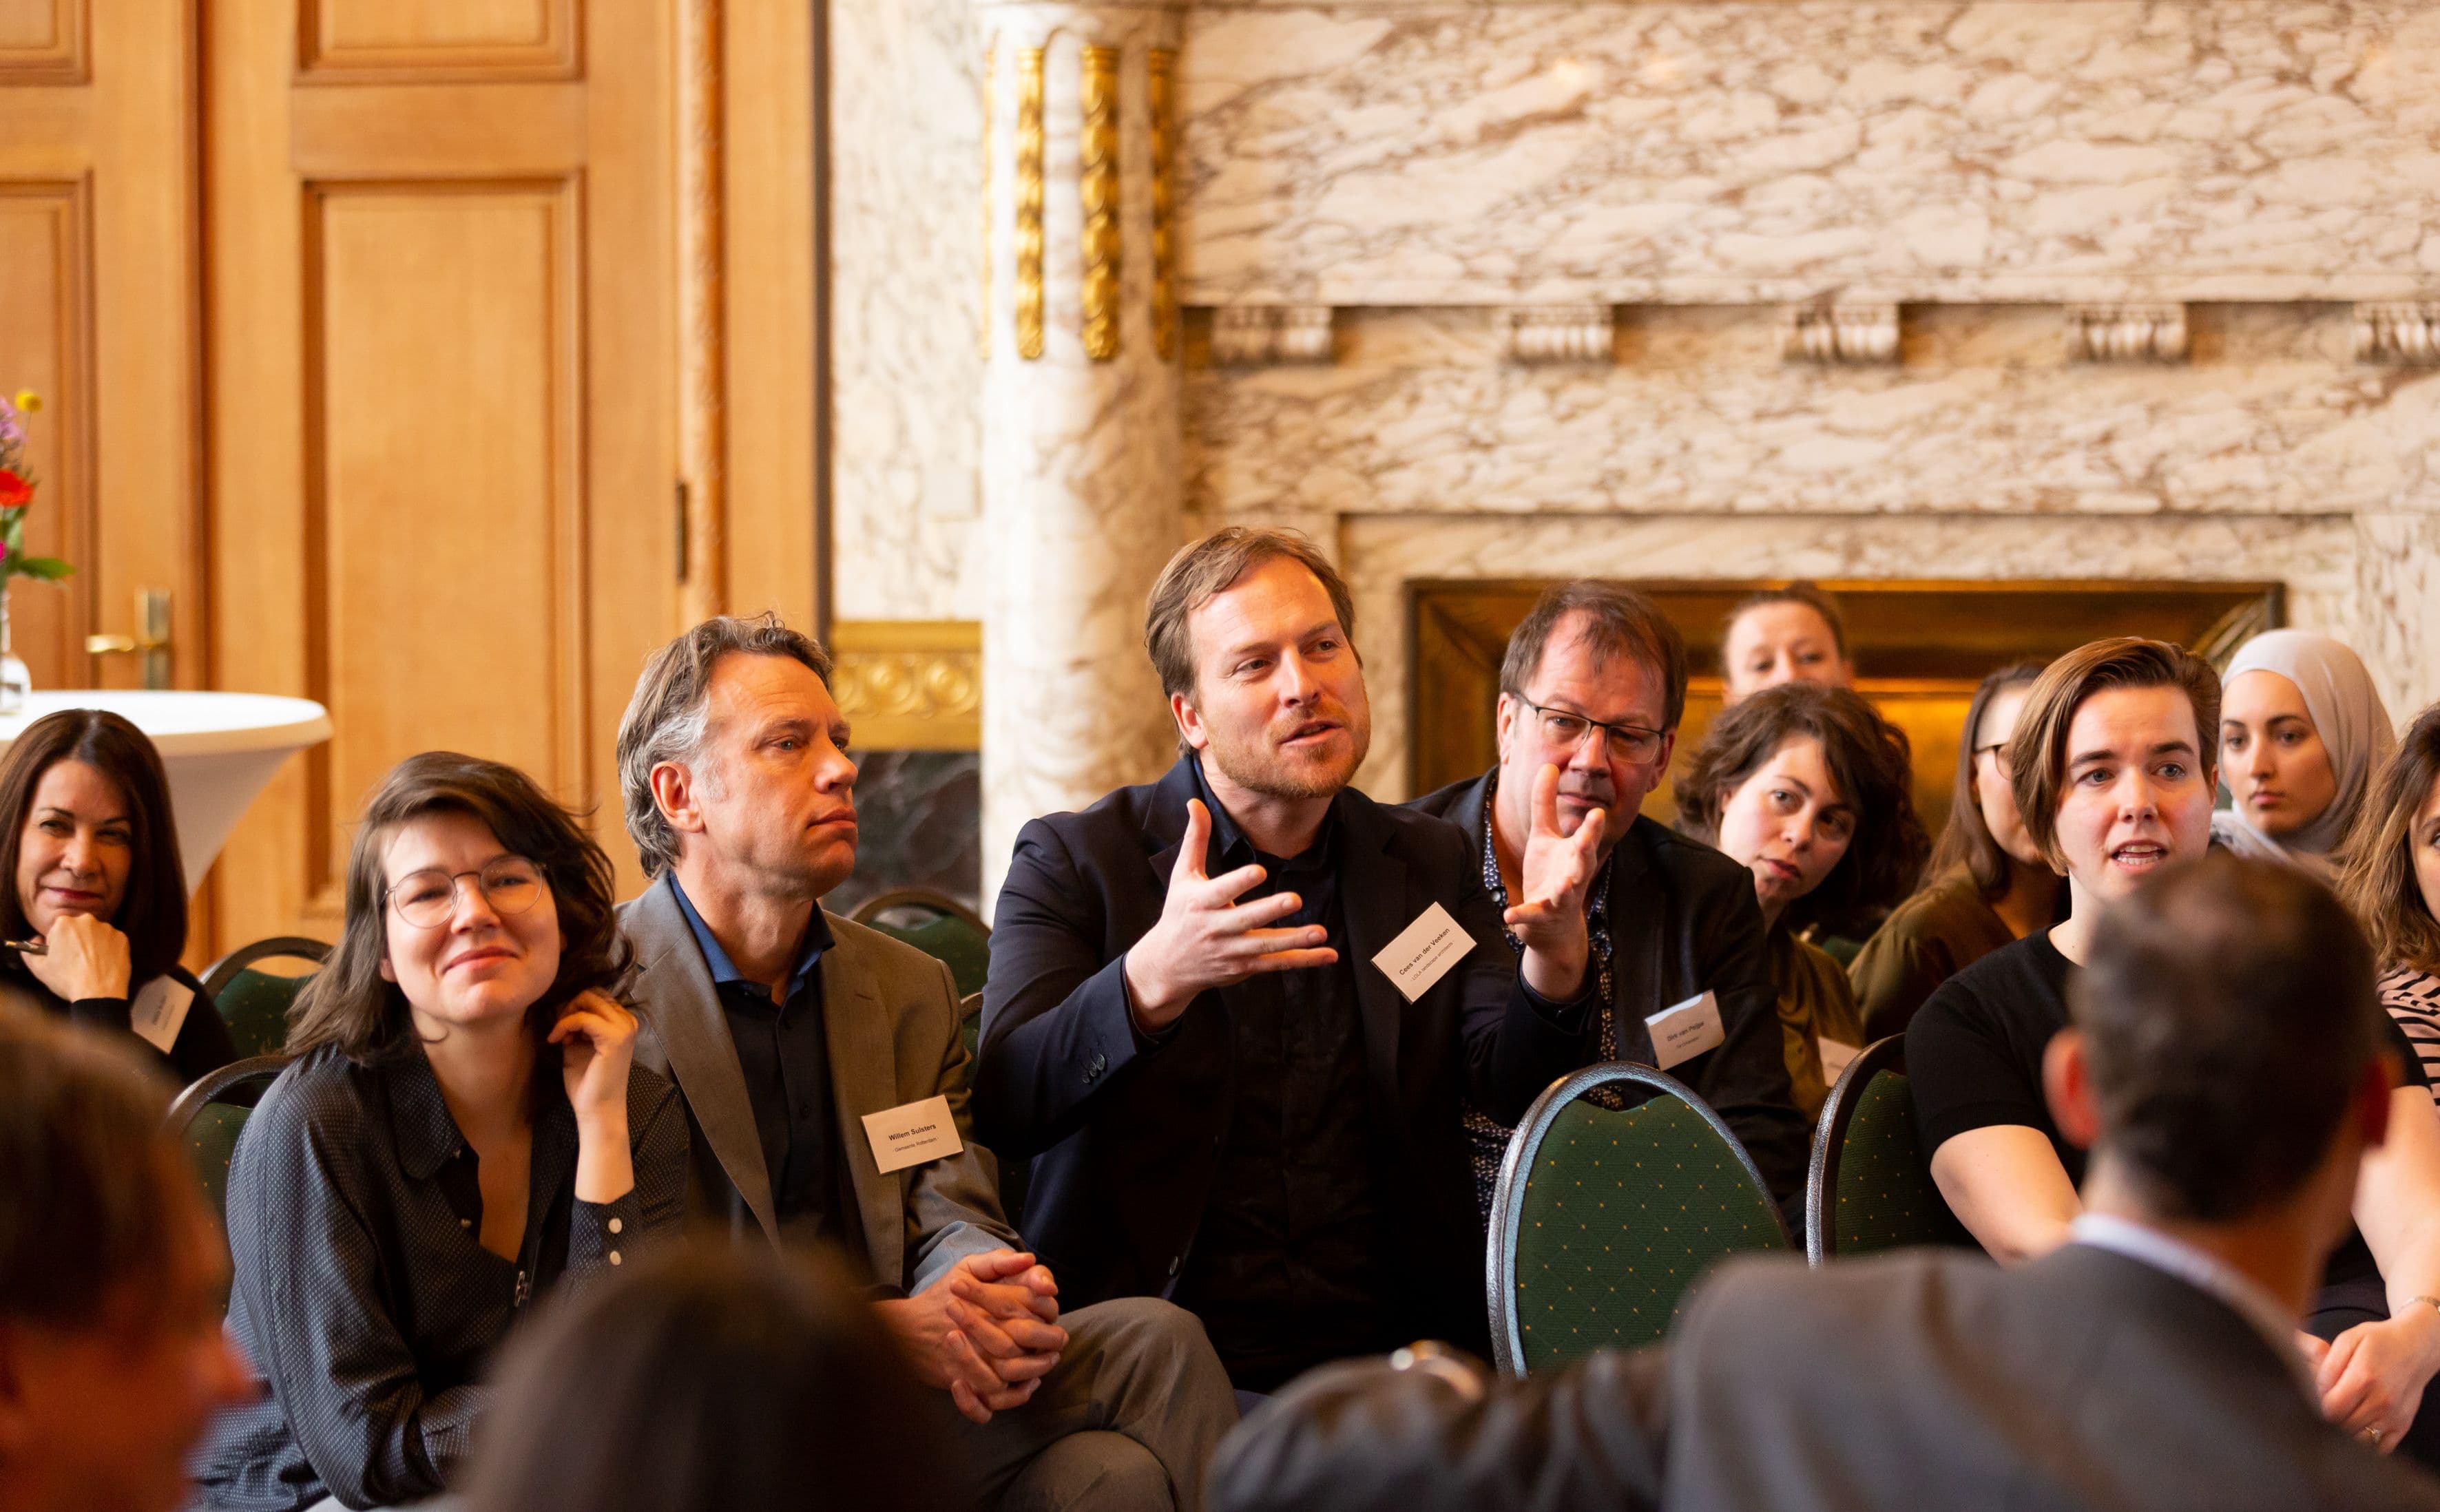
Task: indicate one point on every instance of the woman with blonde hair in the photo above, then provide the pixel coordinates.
(2391, 879)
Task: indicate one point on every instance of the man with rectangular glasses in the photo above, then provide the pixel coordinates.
(1594, 682)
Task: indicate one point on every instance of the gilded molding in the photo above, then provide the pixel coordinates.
(703, 422)
(2126, 334)
(1097, 152)
(1028, 202)
(2406, 332)
(1161, 92)
(991, 78)
(1840, 334)
(910, 685)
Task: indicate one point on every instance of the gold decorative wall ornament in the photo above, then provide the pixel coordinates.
(1161, 93)
(910, 685)
(1028, 203)
(991, 70)
(1097, 154)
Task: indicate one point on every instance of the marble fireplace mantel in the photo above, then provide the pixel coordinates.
(1638, 288)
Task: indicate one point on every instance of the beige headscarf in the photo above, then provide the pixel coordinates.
(2354, 726)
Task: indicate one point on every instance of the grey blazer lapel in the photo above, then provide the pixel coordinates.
(864, 1079)
(673, 993)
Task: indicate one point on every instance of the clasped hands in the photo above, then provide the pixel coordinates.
(2372, 1377)
(986, 1333)
(1207, 939)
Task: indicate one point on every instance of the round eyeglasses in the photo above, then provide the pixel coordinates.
(1624, 742)
(427, 899)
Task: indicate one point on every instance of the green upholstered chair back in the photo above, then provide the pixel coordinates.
(255, 1003)
(208, 1116)
(1868, 1189)
(1604, 1219)
(938, 925)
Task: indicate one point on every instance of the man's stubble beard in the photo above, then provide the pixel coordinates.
(1250, 768)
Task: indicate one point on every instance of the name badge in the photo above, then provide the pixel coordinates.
(1424, 951)
(911, 1134)
(160, 1010)
(1681, 1033)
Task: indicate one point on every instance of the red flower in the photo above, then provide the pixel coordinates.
(15, 492)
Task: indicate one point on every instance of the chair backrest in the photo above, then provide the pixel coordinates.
(208, 1117)
(938, 925)
(1603, 1218)
(255, 1003)
(1868, 1187)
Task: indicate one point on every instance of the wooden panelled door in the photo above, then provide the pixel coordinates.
(441, 248)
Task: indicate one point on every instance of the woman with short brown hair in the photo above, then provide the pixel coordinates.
(1811, 790)
(99, 890)
(464, 1130)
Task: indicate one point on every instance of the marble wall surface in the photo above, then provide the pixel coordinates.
(1430, 168)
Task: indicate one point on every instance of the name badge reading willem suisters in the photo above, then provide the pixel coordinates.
(912, 1133)
(1685, 1031)
(1424, 951)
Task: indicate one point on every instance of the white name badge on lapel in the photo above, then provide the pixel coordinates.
(1681, 1033)
(912, 1133)
(160, 1010)
(1424, 951)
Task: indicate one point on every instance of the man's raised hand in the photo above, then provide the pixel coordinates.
(1205, 939)
(1557, 869)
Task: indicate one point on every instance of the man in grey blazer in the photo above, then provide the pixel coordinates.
(825, 1085)
(2225, 1067)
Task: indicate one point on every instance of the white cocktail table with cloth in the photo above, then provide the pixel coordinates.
(219, 750)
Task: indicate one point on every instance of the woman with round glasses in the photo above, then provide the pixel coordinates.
(1988, 884)
(463, 1132)
(1808, 788)
(97, 917)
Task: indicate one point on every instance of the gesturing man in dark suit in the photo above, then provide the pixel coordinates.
(1230, 1100)
(788, 1033)
(2225, 1065)
(1594, 682)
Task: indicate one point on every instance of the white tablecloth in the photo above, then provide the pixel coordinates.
(219, 750)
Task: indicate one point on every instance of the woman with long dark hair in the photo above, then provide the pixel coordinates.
(1987, 884)
(97, 914)
(1810, 789)
(465, 1131)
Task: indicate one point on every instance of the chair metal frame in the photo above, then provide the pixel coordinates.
(210, 1086)
(931, 898)
(1515, 1168)
(297, 946)
(1830, 1135)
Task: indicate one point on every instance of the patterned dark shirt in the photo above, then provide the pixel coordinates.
(364, 1295)
(2412, 998)
(1486, 1137)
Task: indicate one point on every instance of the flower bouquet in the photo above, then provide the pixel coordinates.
(16, 497)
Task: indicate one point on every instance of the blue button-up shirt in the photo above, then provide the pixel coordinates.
(783, 1049)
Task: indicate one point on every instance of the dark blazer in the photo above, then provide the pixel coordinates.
(2084, 1380)
(1683, 921)
(890, 1015)
(1127, 1134)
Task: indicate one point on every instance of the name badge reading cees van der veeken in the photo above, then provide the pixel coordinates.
(1424, 951)
(912, 1133)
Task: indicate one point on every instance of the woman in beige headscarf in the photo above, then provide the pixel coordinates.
(2302, 731)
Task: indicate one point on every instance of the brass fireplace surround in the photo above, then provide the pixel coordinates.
(1920, 648)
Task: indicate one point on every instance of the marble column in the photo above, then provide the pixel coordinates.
(1081, 487)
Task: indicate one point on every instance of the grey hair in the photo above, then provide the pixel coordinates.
(671, 713)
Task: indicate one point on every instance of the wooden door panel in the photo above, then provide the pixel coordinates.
(455, 38)
(42, 40)
(47, 344)
(445, 398)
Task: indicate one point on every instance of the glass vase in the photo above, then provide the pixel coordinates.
(15, 680)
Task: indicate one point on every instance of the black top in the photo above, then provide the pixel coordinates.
(1127, 1131)
(1974, 1060)
(1285, 1272)
(203, 1044)
(783, 1049)
(364, 1295)
(1681, 919)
